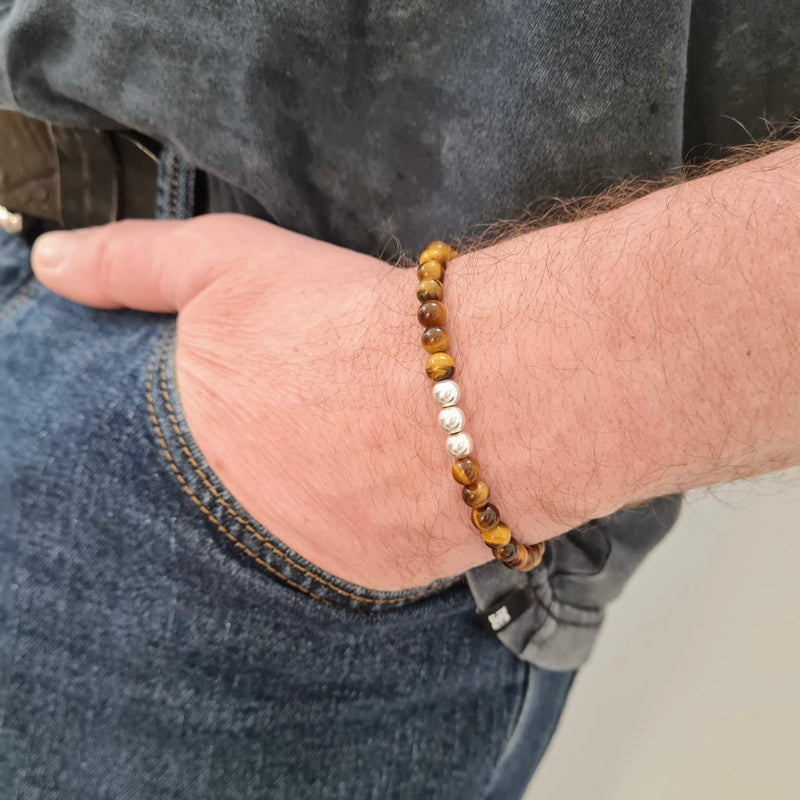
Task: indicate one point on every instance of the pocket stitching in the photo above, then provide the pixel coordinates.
(229, 510)
(196, 500)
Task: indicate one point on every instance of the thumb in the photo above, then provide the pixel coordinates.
(148, 265)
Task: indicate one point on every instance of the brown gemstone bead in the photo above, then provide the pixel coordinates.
(442, 247)
(498, 536)
(440, 254)
(435, 340)
(537, 552)
(476, 494)
(432, 314)
(429, 290)
(466, 471)
(528, 556)
(506, 551)
(486, 517)
(438, 243)
(430, 271)
(520, 560)
(439, 366)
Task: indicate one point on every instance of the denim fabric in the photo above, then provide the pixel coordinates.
(175, 186)
(536, 724)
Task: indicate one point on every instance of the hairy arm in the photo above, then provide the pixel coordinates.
(638, 352)
(635, 352)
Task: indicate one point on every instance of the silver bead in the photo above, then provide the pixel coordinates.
(451, 419)
(459, 445)
(446, 393)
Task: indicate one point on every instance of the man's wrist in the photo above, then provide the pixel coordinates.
(642, 351)
(528, 332)
(605, 361)
(519, 422)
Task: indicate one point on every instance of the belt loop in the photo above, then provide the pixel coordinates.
(175, 193)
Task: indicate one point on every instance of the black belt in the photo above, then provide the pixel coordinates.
(75, 177)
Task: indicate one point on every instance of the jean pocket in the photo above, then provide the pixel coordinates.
(229, 522)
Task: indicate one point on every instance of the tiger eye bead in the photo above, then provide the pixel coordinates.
(438, 243)
(430, 271)
(505, 552)
(486, 517)
(499, 536)
(435, 340)
(429, 290)
(519, 560)
(440, 254)
(443, 246)
(466, 471)
(536, 552)
(439, 366)
(432, 314)
(528, 556)
(476, 495)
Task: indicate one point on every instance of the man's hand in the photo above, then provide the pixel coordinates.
(301, 375)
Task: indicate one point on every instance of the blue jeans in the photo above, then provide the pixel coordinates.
(156, 642)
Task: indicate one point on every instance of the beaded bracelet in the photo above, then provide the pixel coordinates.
(440, 368)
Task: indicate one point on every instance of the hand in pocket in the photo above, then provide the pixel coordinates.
(300, 373)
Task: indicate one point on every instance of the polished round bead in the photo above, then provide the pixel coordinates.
(459, 445)
(486, 517)
(438, 243)
(432, 314)
(440, 366)
(430, 271)
(429, 290)
(435, 340)
(442, 247)
(476, 494)
(451, 419)
(528, 556)
(536, 552)
(504, 552)
(446, 393)
(499, 536)
(466, 471)
(440, 254)
(522, 561)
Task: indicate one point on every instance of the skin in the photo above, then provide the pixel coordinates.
(637, 352)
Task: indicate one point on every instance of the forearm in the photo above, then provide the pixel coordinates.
(647, 350)
(626, 355)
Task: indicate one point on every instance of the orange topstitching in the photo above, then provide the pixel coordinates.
(262, 539)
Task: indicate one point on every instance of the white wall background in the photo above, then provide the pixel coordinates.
(693, 690)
